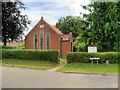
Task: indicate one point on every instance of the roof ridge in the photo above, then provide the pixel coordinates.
(55, 29)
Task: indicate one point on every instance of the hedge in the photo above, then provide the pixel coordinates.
(30, 55)
(7, 47)
(84, 57)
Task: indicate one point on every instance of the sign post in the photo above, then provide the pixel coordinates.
(93, 49)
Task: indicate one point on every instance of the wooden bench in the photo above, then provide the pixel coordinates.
(92, 60)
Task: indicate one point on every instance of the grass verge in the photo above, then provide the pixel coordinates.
(92, 68)
(62, 60)
(31, 64)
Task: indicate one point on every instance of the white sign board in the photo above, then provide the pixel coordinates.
(92, 49)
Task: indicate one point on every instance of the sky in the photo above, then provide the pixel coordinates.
(52, 10)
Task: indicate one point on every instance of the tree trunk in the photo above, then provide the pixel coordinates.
(5, 41)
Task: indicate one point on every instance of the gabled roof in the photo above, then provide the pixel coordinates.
(52, 27)
(56, 30)
(66, 36)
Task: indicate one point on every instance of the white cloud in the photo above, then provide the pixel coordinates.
(43, 0)
(52, 13)
(49, 15)
(76, 6)
(82, 1)
(35, 15)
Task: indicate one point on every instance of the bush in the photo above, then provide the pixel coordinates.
(30, 55)
(22, 46)
(84, 57)
(7, 47)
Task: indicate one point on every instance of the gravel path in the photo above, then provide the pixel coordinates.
(60, 66)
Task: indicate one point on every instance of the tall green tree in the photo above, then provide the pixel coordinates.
(102, 25)
(72, 24)
(13, 22)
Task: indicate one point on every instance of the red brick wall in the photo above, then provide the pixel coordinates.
(54, 38)
(66, 47)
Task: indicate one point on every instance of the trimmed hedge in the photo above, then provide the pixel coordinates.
(30, 55)
(84, 57)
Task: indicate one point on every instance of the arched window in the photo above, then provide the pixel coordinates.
(48, 41)
(41, 39)
(35, 41)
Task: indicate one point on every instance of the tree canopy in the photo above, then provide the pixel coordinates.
(102, 25)
(72, 24)
(13, 22)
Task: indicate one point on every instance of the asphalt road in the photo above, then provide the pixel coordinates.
(27, 78)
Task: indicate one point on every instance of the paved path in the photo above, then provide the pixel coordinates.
(60, 66)
(29, 78)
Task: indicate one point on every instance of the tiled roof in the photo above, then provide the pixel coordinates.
(66, 36)
(13, 44)
(56, 30)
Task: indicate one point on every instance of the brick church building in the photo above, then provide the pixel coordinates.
(46, 37)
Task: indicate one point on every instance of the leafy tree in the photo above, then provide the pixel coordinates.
(102, 25)
(13, 22)
(79, 44)
(71, 24)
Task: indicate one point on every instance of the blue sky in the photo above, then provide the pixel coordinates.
(52, 10)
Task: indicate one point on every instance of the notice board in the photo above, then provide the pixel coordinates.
(92, 49)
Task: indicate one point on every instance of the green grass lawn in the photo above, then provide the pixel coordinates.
(32, 64)
(62, 60)
(93, 68)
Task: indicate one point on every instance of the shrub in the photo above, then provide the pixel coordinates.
(22, 46)
(30, 55)
(7, 47)
(84, 57)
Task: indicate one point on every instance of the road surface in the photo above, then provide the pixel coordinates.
(13, 77)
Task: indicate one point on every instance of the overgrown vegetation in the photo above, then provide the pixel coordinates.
(84, 57)
(30, 55)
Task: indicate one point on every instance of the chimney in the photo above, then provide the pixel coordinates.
(56, 25)
(42, 17)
